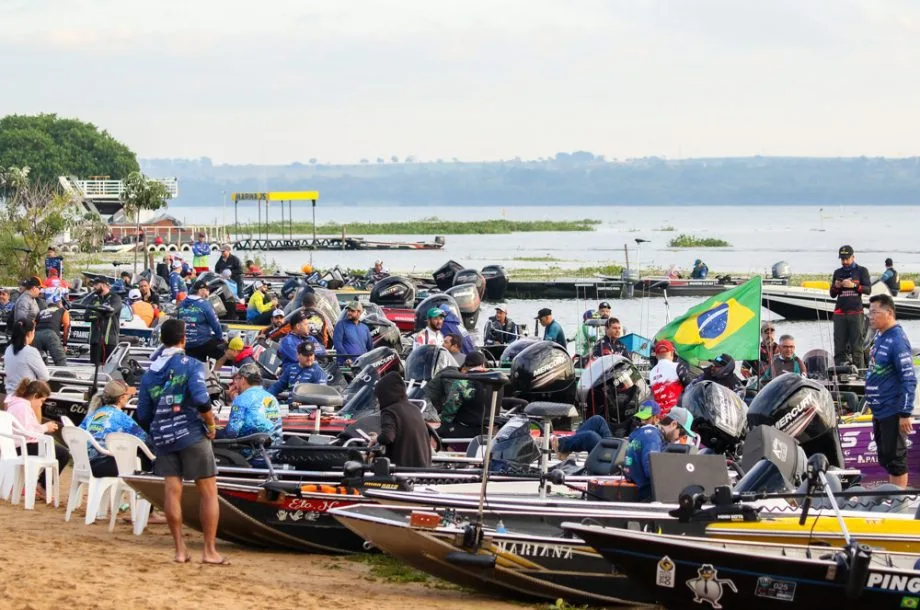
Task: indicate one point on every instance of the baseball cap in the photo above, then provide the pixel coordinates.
(604, 305)
(354, 306)
(257, 284)
(683, 417)
(278, 312)
(225, 248)
(236, 344)
(101, 279)
(648, 409)
(546, 311)
(722, 360)
(845, 251)
(664, 346)
(434, 312)
(474, 359)
(888, 262)
(177, 264)
(503, 308)
(198, 285)
(116, 388)
(306, 348)
(250, 372)
(134, 294)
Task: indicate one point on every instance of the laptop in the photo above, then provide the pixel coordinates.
(674, 472)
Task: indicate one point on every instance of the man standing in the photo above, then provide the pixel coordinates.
(177, 286)
(351, 337)
(890, 278)
(201, 251)
(203, 332)
(848, 284)
(553, 330)
(403, 431)
(52, 327)
(768, 347)
(26, 307)
(466, 409)
(53, 261)
(377, 272)
(890, 388)
(260, 308)
(500, 329)
(431, 334)
(589, 331)
(700, 270)
(106, 324)
(611, 343)
(785, 361)
(668, 377)
(231, 262)
(174, 407)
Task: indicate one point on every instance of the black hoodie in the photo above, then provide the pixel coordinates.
(403, 431)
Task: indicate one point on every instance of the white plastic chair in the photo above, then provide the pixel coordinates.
(124, 447)
(78, 440)
(11, 463)
(32, 467)
(66, 421)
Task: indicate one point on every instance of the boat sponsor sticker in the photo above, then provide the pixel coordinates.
(664, 575)
(894, 582)
(770, 588)
(708, 587)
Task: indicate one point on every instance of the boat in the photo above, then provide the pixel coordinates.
(688, 571)
(799, 303)
(688, 287)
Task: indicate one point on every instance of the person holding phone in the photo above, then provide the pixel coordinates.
(848, 285)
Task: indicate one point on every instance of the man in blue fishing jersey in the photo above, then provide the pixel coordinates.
(306, 371)
(351, 337)
(891, 386)
(203, 331)
(644, 441)
(553, 330)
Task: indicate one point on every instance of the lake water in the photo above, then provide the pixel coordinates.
(807, 237)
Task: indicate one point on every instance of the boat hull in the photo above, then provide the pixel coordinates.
(795, 303)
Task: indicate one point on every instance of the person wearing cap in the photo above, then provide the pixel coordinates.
(252, 268)
(468, 402)
(204, 335)
(890, 278)
(123, 283)
(174, 407)
(300, 332)
(53, 280)
(237, 354)
(177, 286)
(52, 328)
(306, 371)
(431, 334)
(106, 415)
(453, 325)
(231, 262)
(53, 261)
(677, 427)
(253, 411)
(500, 329)
(700, 270)
(225, 276)
(641, 444)
(610, 344)
(377, 272)
(105, 328)
(768, 347)
(260, 308)
(351, 337)
(143, 310)
(721, 370)
(848, 285)
(668, 377)
(553, 330)
(201, 252)
(589, 332)
(276, 324)
(26, 307)
(403, 431)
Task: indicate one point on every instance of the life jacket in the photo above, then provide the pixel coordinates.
(50, 318)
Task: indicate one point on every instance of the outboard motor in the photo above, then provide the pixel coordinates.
(444, 276)
(514, 348)
(471, 276)
(496, 282)
(468, 300)
(803, 409)
(435, 300)
(223, 301)
(543, 371)
(382, 359)
(358, 398)
(426, 361)
(719, 415)
(766, 444)
(394, 291)
(327, 303)
(383, 331)
(513, 448)
(781, 271)
(818, 363)
(612, 386)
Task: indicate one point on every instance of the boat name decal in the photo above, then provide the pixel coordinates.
(770, 588)
(894, 582)
(708, 587)
(664, 574)
(535, 549)
(307, 504)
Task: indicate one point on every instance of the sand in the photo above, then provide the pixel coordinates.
(46, 562)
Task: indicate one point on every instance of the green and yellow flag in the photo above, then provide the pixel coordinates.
(728, 323)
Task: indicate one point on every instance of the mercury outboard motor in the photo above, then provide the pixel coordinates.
(358, 397)
(384, 332)
(435, 300)
(719, 415)
(471, 276)
(513, 448)
(496, 282)
(382, 359)
(803, 409)
(223, 301)
(781, 271)
(612, 386)
(426, 361)
(444, 276)
(394, 291)
(516, 347)
(468, 300)
(543, 371)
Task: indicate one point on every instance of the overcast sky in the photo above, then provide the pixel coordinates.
(285, 80)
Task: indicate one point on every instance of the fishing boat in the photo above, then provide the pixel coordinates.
(810, 304)
(689, 287)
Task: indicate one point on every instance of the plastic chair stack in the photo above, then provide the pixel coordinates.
(11, 463)
(78, 441)
(18, 472)
(125, 447)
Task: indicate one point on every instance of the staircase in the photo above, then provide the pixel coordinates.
(104, 196)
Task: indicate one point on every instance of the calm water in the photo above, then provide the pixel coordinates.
(806, 237)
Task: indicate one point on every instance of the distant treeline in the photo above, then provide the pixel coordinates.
(576, 178)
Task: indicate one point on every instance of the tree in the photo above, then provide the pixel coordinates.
(394, 159)
(54, 147)
(142, 193)
(89, 232)
(380, 160)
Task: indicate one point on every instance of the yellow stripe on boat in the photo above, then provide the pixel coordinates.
(822, 284)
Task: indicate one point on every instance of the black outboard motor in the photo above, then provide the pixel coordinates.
(435, 300)
(513, 449)
(394, 291)
(471, 276)
(803, 409)
(444, 276)
(516, 347)
(719, 415)
(358, 397)
(496, 282)
(384, 332)
(426, 361)
(468, 300)
(543, 371)
(382, 359)
(612, 387)
(818, 363)
(767, 445)
(223, 301)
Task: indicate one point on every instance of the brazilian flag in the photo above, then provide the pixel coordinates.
(728, 323)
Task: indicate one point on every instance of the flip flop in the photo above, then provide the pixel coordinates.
(222, 562)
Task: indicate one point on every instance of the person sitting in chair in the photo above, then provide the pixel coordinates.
(253, 411)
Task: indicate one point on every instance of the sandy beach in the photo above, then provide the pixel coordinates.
(46, 562)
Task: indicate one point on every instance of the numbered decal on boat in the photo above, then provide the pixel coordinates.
(708, 587)
(770, 588)
(664, 576)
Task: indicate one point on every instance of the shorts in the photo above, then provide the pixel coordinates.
(891, 445)
(192, 463)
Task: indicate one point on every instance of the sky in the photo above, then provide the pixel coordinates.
(280, 81)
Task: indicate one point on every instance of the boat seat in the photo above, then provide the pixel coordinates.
(550, 409)
(316, 394)
(255, 440)
(606, 457)
(678, 448)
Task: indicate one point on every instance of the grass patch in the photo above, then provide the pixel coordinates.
(554, 271)
(692, 241)
(538, 259)
(389, 569)
(666, 229)
(434, 226)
